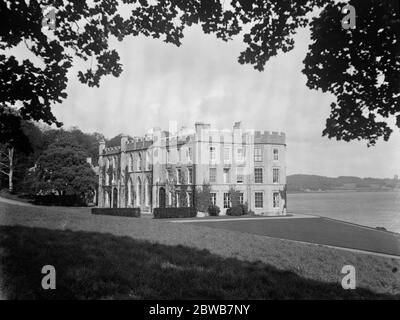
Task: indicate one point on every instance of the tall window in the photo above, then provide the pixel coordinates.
(189, 199)
(226, 175)
(239, 175)
(258, 201)
(131, 162)
(190, 154)
(213, 175)
(258, 175)
(240, 197)
(190, 175)
(179, 176)
(177, 200)
(138, 192)
(276, 153)
(213, 156)
(170, 198)
(139, 162)
(275, 175)
(169, 175)
(275, 198)
(227, 154)
(148, 160)
(110, 177)
(213, 198)
(227, 200)
(257, 154)
(147, 192)
(129, 200)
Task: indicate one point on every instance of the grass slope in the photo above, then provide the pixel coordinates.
(103, 266)
(308, 261)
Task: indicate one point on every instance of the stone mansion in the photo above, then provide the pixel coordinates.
(163, 168)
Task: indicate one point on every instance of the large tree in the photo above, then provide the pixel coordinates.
(62, 168)
(12, 140)
(87, 141)
(359, 66)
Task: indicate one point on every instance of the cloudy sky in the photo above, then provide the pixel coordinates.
(202, 81)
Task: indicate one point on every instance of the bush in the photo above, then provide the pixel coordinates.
(203, 197)
(54, 200)
(234, 211)
(122, 212)
(245, 209)
(213, 210)
(182, 212)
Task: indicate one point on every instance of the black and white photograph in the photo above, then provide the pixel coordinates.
(217, 152)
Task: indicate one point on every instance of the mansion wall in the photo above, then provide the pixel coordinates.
(164, 169)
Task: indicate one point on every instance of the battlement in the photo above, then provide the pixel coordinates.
(112, 150)
(269, 137)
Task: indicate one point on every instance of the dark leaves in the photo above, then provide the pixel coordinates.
(360, 66)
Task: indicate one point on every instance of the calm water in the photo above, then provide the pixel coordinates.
(373, 209)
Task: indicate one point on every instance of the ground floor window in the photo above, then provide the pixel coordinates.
(189, 199)
(275, 199)
(227, 200)
(170, 198)
(259, 199)
(177, 200)
(213, 198)
(241, 198)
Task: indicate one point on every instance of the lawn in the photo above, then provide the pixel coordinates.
(13, 196)
(308, 262)
(91, 265)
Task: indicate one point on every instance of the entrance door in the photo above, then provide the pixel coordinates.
(161, 194)
(115, 197)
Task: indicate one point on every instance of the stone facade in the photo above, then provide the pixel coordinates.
(164, 168)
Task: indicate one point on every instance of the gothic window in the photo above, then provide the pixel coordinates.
(138, 192)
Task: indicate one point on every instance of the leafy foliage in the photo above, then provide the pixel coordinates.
(13, 142)
(11, 129)
(234, 211)
(359, 66)
(234, 196)
(63, 168)
(87, 141)
(203, 198)
(116, 141)
(213, 210)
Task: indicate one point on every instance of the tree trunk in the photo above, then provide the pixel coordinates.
(11, 171)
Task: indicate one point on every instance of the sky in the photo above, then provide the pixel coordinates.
(203, 81)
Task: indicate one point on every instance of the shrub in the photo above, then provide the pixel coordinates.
(234, 211)
(245, 208)
(122, 212)
(213, 210)
(203, 197)
(182, 212)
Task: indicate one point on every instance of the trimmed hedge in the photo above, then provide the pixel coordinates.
(213, 210)
(182, 212)
(122, 212)
(54, 200)
(234, 211)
